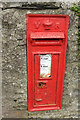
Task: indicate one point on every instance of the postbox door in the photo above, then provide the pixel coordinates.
(46, 84)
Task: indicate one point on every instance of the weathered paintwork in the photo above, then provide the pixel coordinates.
(46, 34)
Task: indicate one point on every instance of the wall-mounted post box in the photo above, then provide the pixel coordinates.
(46, 56)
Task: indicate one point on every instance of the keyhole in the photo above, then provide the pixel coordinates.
(41, 85)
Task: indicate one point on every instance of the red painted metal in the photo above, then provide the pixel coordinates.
(46, 34)
(43, 35)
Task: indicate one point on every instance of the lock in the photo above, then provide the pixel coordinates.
(46, 54)
(42, 85)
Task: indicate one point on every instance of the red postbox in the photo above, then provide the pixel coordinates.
(46, 56)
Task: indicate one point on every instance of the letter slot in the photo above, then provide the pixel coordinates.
(47, 38)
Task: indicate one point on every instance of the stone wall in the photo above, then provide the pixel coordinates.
(14, 70)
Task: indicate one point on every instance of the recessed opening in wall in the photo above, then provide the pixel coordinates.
(15, 100)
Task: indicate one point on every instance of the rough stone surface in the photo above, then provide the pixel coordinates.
(0, 64)
(14, 70)
(31, 1)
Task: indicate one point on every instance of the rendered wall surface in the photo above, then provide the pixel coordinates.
(14, 67)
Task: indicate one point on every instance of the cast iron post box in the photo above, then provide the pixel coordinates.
(46, 56)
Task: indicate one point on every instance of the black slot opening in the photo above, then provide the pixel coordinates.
(43, 39)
